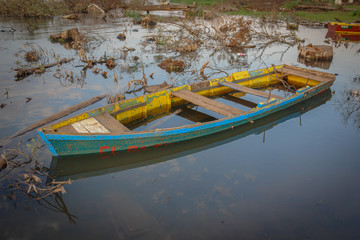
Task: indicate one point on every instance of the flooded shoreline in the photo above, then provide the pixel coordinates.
(294, 179)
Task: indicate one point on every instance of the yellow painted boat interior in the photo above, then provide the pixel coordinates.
(155, 105)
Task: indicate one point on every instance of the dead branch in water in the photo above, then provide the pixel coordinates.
(136, 82)
(24, 72)
(216, 71)
(202, 70)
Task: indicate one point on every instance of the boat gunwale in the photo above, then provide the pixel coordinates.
(190, 127)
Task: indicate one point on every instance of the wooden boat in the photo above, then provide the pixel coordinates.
(344, 28)
(112, 128)
(84, 166)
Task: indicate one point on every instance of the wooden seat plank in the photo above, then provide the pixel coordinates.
(298, 73)
(248, 90)
(111, 123)
(195, 116)
(207, 103)
(239, 100)
(90, 125)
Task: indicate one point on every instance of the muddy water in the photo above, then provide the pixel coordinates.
(293, 175)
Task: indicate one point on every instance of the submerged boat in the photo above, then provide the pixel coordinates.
(344, 28)
(85, 166)
(120, 126)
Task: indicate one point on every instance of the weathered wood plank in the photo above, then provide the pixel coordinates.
(248, 90)
(67, 129)
(306, 74)
(239, 101)
(111, 123)
(195, 116)
(91, 125)
(207, 103)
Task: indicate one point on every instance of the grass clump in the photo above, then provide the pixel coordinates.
(33, 8)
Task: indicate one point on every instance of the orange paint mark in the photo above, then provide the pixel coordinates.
(103, 147)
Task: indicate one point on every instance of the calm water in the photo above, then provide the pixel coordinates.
(293, 175)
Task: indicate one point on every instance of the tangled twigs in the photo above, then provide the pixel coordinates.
(33, 179)
(31, 185)
(233, 32)
(286, 85)
(134, 83)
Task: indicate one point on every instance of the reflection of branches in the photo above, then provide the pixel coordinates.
(68, 78)
(58, 205)
(349, 106)
(356, 79)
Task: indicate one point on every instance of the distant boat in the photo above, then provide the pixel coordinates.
(344, 28)
(108, 129)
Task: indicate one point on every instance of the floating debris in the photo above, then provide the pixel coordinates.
(110, 63)
(148, 21)
(32, 56)
(121, 37)
(71, 36)
(172, 65)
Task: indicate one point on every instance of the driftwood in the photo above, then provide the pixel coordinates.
(162, 7)
(71, 16)
(61, 114)
(24, 72)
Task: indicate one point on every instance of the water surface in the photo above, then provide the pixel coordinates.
(293, 175)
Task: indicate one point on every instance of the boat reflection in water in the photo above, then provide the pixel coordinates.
(343, 37)
(83, 166)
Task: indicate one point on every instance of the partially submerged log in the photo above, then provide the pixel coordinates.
(60, 114)
(162, 7)
(157, 88)
(316, 52)
(24, 72)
